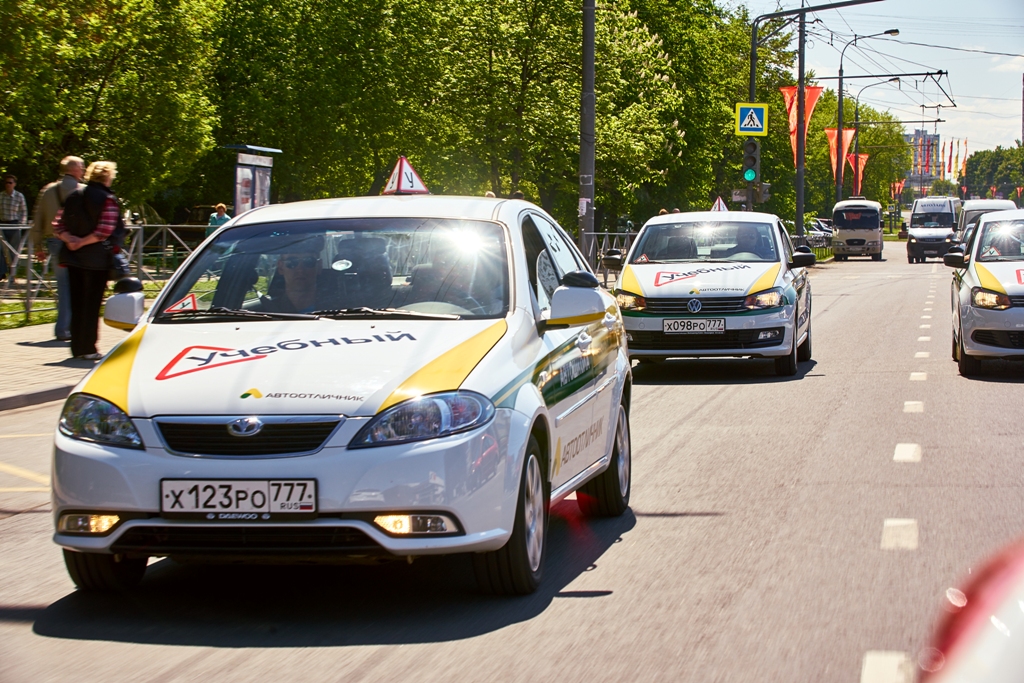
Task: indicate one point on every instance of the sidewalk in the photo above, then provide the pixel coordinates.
(37, 368)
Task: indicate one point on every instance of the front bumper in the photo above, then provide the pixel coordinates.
(993, 334)
(470, 477)
(645, 337)
(856, 249)
(929, 249)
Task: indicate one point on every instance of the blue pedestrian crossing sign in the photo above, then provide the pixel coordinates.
(751, 119)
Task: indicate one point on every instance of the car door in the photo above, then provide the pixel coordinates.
(797, 278)
(565, 371)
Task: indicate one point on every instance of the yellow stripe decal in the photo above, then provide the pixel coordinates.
(987, 279)
(629, 281)
(110, 379)
(578, 320)
(766, 281)
(448, 371)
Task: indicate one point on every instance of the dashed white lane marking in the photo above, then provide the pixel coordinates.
(24, 489)
(922, 354)
(924, 339)
(899, 534)
(913, 406)
(927, 309)
(23, 436)
(24, 474)
(926, 317)
(918, 376)
(887, 666)
(851, 277)
(907, 452)
(935, 267)
(926, 326)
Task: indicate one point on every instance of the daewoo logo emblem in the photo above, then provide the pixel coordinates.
(245, 426)
(693, 305)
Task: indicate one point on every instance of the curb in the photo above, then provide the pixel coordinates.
(31, 398)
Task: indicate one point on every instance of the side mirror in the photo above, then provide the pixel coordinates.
(612, 261)
(125, 308)
(803, 249)
(953, 259)
(577, 302)
(802, 259)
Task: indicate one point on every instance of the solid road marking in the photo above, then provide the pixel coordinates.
(918, 376)
(899, 534)
(907, 452)
(886, 666)
(922, 354)
(23, 436)
(913, 406)
(24, 474)
(923, 339)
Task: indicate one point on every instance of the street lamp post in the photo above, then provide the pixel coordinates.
(856, 130)
(839, 137)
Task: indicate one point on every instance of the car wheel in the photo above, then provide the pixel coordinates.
(104, 573)
(607, 495)
(969, 366)
(786, 366)
(876, 257)
(517, 567)
(803, 352)
(910, 259)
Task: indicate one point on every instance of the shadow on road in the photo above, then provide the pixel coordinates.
(1003, 371)
(715, 371)
(432, 600)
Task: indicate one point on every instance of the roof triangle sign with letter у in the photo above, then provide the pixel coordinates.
(405, 180)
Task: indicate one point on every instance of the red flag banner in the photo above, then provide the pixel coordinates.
(964, 188)
(963, 167)
(993, 189)
(928, 157)
(1019, 191)
(811, 95)
(942, 161)
(949, 164)
(833, 153)
(857, 162)
(902, 183)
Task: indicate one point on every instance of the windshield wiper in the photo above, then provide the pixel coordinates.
(366, 311)
(222, 312)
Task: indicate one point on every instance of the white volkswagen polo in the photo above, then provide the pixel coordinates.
(376, 377)
(717, 284)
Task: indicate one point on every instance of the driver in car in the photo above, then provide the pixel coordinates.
(748, 240)
(299, 268)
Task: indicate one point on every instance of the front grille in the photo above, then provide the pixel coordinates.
(1017, 300)
(931, 239)
(644, 340)
(855, 243)
(677, 306)
(1004, 340)
(244, 540)
(273, 439)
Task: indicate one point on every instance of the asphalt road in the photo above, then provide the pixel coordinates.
(754, 550)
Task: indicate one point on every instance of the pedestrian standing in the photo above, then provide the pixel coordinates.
(12, 212)
(91, 226)
(51, 199)
(218, 218)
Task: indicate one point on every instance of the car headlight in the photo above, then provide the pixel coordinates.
(873, 243)
(770, 298)
(838, 243)
(426, 417)
(911, 239)
(90, 418)
(630, 302)
(984, 298)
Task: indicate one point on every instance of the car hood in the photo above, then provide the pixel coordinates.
(349, 367)
(698, 279)
(930, 232)
(1001, 276)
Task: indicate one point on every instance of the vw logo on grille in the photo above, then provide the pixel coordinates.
(693, 305)
(245, 426)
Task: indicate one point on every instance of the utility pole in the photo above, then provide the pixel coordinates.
(801, 127)
(588, 137)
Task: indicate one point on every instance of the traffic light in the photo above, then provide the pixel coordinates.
(752, 160)
(765, 193)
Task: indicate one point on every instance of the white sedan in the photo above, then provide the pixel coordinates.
(720, 283)
(368, 377)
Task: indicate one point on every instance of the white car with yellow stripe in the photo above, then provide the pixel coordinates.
(713, 284)
(368, 377)
(988, 292)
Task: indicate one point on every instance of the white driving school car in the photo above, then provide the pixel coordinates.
(988, 292)
(359, 378)
(720, 283)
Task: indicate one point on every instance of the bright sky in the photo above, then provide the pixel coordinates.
(987, 89)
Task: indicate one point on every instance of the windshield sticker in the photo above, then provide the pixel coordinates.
(666, 278)
(206, 357)
(642, 258)
(187, 304)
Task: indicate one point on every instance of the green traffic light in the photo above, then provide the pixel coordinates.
(749, 175)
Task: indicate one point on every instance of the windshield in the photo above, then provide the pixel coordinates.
(707, 241)
(355, 266)
(856, 219)
(1001, 241)
(931, 220)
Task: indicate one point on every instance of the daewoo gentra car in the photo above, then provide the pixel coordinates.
(988, 292)
(369, 377)
(717, 284)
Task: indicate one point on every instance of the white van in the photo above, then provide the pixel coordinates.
(932, 225)
(857, 229)
(973, 209)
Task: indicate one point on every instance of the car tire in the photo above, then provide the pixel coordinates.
(786, 366)
(104, 573)
(607, 495)
(803, 352)
(518, 566)
(910, 259)
(969, 366)
(876, 257)
(954, 350)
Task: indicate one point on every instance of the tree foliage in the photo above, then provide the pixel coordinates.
(1002, 168)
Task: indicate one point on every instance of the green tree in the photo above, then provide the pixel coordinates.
(944, 188)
